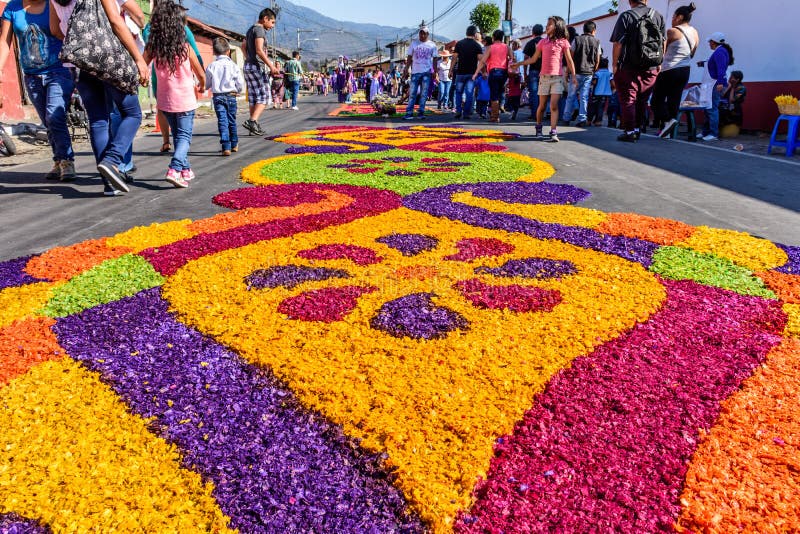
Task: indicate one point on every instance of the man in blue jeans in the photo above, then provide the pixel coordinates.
(420, 61)
(586, 55)
(293, 76)
(464, 64)
(225, 80)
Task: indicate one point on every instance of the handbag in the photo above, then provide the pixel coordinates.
(92, 46)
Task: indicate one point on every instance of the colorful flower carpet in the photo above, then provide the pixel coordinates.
(366, 110)
(402, 330)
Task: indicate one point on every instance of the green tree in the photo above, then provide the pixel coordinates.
(614, 6)
(485, 16)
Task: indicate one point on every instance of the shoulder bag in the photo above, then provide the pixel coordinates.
(92, 46)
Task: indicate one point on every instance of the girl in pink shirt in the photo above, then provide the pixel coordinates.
(553, 50)
(175, 63)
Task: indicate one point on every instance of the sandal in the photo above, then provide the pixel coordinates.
(166, 147)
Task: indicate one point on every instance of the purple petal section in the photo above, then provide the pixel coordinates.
(12, 273)
(338, 149)
(606, 446)
(275, 466)
(289, 276)
(417, 317)
(437, 202)
(16, 524)
(792, 266)
(539, 268)
(409, 244)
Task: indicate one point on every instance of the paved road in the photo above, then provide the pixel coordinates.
(683, 181)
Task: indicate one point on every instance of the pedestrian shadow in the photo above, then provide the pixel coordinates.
(754, 176)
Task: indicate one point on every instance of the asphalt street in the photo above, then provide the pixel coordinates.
(690, 182)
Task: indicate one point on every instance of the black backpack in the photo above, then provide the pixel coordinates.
(644, 43)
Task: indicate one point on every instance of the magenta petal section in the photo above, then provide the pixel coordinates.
(606, 446)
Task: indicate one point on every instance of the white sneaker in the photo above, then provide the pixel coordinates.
(710, 137)
(295, 108)
(667, 129)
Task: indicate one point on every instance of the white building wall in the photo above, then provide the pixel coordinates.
(763, 34)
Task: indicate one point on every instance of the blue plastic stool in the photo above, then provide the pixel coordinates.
(791, 138)
(691, 125)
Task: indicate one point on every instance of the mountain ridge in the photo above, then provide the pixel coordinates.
(321, 36)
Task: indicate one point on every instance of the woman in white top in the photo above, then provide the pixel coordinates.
(443, 71)
(682, 42)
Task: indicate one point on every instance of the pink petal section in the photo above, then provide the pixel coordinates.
(339, 251)
(513, 297)
(605, 447)
(472, 248)
(327, 305)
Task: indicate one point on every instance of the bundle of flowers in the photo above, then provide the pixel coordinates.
(384, 105)
(409, 332)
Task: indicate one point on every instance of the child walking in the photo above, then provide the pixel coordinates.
(174, 62)
(225, 80)
(484, 93)
(553, 51)
(603, 86)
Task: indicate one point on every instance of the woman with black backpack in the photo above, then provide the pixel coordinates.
(682, 40)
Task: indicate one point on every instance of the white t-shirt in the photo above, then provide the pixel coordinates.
(422, 55)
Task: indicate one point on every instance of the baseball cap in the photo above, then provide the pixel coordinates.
(424, 29)
(717, 37)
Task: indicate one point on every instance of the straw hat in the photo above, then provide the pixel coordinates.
(445, 53)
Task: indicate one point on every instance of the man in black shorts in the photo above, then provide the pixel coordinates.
(257, 68)
(465, 62)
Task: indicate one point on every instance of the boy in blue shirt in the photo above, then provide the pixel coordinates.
(482, 85)
(603, 87)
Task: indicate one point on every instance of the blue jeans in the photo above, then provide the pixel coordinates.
(225, 108)
(712, 115)
(533, 90)
(420, 82)
(127, 159)
(465, 85)
(295, 88)
(571, 103)
(497, 81)
(99, 99)
(444, 93)
(49, 93)
(181, 124)
(584, 86)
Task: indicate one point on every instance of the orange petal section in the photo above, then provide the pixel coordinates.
(26, 343)
(786, 286)
(62, 263)
(655, 229)
(745, 475)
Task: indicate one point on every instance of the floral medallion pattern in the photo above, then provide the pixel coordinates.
(402, 330)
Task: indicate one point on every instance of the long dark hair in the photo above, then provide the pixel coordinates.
(727, 47)
(559, 28)
(167, 41)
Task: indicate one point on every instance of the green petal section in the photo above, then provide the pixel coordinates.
(109, 281)
(683, 264)
(410, 172)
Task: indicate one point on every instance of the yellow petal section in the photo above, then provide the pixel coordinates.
(61, 427)
(154, 235)
(435, 406)
(793, 323)
(23, 301)
(548, 213)
(741, 248)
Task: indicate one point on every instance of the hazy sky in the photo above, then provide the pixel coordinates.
(411, 12)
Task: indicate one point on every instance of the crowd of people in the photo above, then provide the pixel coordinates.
(558, 74)
(571, 80)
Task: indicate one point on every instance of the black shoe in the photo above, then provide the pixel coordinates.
(581, 124)
(637, 135)
(127, 176)
(563, 123)
(627, 138)
(113, 176)
(457, 116)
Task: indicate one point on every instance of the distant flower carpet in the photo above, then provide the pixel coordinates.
(402, 330)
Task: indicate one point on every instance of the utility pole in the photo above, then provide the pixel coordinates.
(299, 31)
(273, 5)
(509, 6)
(569, 11)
